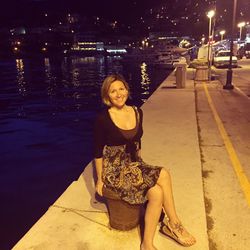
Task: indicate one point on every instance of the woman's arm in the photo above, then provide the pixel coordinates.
(99, 183)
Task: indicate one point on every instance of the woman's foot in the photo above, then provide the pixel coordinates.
(178, 233)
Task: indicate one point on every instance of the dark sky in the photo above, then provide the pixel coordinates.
(126, 11)
(113, 9)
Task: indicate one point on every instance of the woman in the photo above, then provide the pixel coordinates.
(118, 132)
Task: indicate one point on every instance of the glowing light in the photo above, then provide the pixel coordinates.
(222, 33)
(210, 13)
(116, 50)
(242, 24)
(87, 43)
(87, 48)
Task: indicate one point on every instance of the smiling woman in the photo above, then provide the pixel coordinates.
(120, 168)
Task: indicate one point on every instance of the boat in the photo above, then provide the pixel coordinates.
(165, 60)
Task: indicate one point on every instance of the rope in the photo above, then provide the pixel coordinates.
(78, 212)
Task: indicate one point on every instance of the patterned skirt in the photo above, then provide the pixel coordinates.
(130, 180)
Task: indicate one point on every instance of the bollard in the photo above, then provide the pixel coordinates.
(201, 73)
(180, 74)
(122, 215)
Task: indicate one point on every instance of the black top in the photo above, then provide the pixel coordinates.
(107, 133)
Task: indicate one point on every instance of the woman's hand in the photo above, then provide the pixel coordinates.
(99, 186)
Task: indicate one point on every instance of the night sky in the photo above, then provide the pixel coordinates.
(21, 12)
(113, 9)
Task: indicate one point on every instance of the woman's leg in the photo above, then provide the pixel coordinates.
(152, 215)
(164, 181)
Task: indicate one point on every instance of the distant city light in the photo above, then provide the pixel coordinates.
(210, 13)
(222, 32)
(242, 24)
(87, 43)
(116, 50)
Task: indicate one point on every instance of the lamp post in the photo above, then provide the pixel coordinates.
(241, 25)
(210, 14)
(222, 33)
(228, 84)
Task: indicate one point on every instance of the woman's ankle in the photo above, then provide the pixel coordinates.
(173, 223)
(147, 246)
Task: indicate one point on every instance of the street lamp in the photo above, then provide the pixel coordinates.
(241, 25)
(222, 33)
(228, 84)
(202, 40)
(210, 14)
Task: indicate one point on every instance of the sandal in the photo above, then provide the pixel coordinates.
(171, 233)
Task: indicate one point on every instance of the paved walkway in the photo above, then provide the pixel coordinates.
(223, 121)
(79, 221)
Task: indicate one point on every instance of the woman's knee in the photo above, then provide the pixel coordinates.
(155, 194)
(164, 174)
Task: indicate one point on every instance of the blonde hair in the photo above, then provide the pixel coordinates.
(106, 85)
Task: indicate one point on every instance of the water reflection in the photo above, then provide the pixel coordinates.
(49, 78)
(72, 84)
(145, 80)
(20, 77)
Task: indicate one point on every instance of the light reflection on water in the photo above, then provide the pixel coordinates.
(47, 111)
(48, 86)
(20, 77)
(145, 80)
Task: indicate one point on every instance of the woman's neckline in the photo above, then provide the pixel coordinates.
(123, 128)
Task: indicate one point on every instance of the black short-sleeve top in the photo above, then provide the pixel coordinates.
(107, 133)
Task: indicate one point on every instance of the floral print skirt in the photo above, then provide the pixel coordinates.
(130, 180)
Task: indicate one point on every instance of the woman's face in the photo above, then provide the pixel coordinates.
(118, 94)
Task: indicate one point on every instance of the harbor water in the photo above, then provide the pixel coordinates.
(47, 108)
